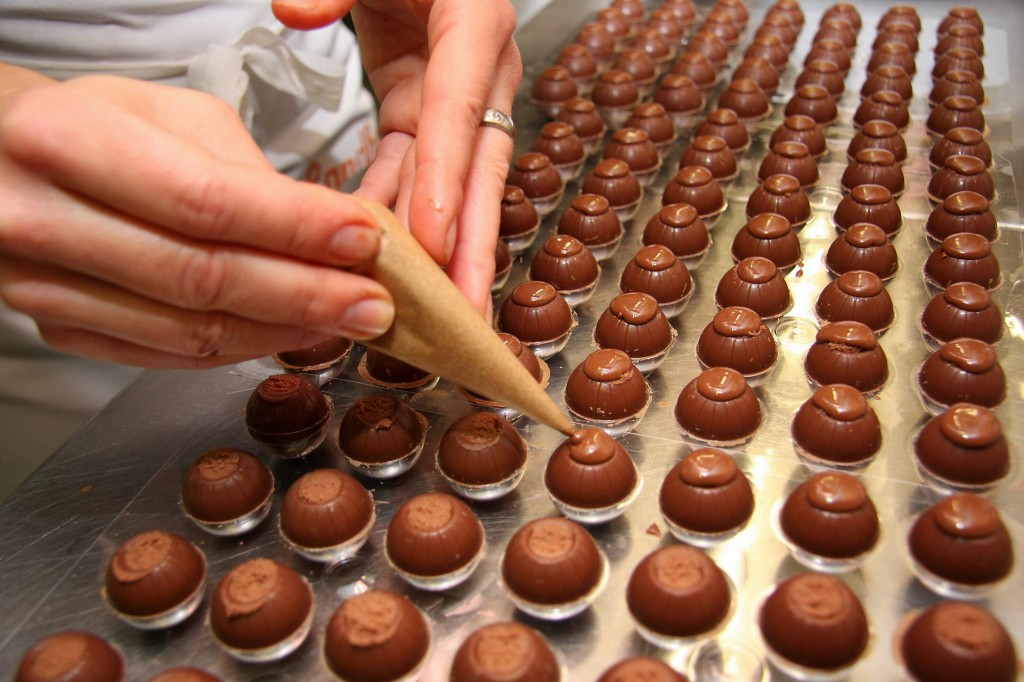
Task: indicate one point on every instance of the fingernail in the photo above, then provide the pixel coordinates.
(355, 244)
(367, 319)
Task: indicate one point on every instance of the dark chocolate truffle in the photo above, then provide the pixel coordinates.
(848, 353)
(679, 96)
(963, 447)
(963, 309)
(761, 71)
(745, 97)
(188, 674)
(956, 82)
(737, 338)
(711, 46)
(824, 73)
(664, 22)
(959, 59)
(959, 174)
(519, 221)
(790, 158)
(155, 580)
(769, 47)
(642, 669)
(963, 257)
(578, 61)
(591, 220)
(634, 324)
(888, 77)
(614, 20)
(956, 640)
(678, 593)
(695, 185)
(559, 142)
(962, 212)
(326, 515)
(874, 167)
(956, 111)
(599, 42)
(505, 652)
(540, 181)
(615, 94)
(316, 357)
(637, 63)
(754, 283)
(568, 265)
(552, 569)
(770, 236)
(781, 194)
(613, 180)
(653, 43)
(883, 105)
(288, 414)
(705, 497)
(607, 389)
(537, 315)
(963, 371)
(829, 49)
(718, 408)
(713, 153)
(829, 519)
(376, 636)
(727, 125)
(878, 135)
(227, 491)
(863, 247)
(678, 227)
(72, 656)
(656, 271)
(551, 88)
(837, 426)
(386, 371)
(800, 128)
(697, 67)
(382, 436)
(586, 120)
(633, 146)
(857, 295)
(261, 611)
(590, 477)
(653, 119)
(815, 102)
(893, 54)
(961, 141)
(482, 456)
(872, 204)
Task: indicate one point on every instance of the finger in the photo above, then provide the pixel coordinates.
(305, 15)
(405, 183)
(380, 182)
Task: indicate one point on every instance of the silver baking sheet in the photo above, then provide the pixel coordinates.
(123, 474)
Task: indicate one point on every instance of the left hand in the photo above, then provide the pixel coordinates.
(435, 66)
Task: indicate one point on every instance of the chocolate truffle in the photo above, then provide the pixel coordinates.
(537, 315)
(900, 13)
(878, 135)
(678, 227)
(705, 497)
(559, 142)
(698, 68)
(711, 46)
(761, 71)
(288, 415)
(838, 29)
(614, 20)
(719, 22)
(552, 569)
(902, 32)
(505, 652)
(857, 295)
(581, 65)
(381, 436)
(963, 309)
(789, 9)
(551, 88)
(964, 447)
(634, 324)
(800, 128)
(227, 491)
(434, 541)
(72, 656)
(888, 77)
(960, 542)
(664, 22)
(884, 105)
(589, 218)
(815, 102)
(768, 235)
(613, 180)
(863, 247)
(824, 73)
(872, 204)
(874, 167)
(642, 668)
(956, 111)
(962, 212)
(540, 181)
(653, 119)
(960, 141)
(590, 477)
(781, 194)
(607, 390)
(754, 283)
(963, 257)
(599, 42)
(836, 426)
(829, 521)
(676, 594)
(586, 120)
(326, 515)
(778, 26)
(848, 353)
(155, 580)
(713, 153)
(727, 125)
(377, 636)
(718, 408)
(537, 368)
(482, 456)
(633, 146)
(961, 16)
(261, 611)
(956, 640)
(317, 357)
(737, 338)
(519, 221)
(615, 94)
(829, 49)
(188, 674)
(963, 371)
(956, 82)
(958, 174)
(745, 97)
(813, 621)
(685, 11)
(386, 371)
(790, 158)
(893, 54)
(769, 47)
(845, 12)
(695, 185)
(959, 59)
(653, 43)
(637, 63)
(568, 265)
(656, 271)
(680, 97)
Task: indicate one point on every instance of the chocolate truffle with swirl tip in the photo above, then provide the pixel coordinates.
(633, 146)
(537, 368)
(599, 42)
(963, 257)
(778, 26)
(960, 142)
(769, 47)
(227, 491)
(607, 390)
(727, 125)
(737, 338)
(815, 102)
(846, 12)
(656, 271)
(847, 352)
(697, 67)
(586, 120)
(963, 371)
(956, 82)
(635, 324)
(869, 204)
(893, 54)
(386, 371)
(830, 520)
(781, 194)
(590, 477)
(559, 142)
(863, 247)
(696, 185)
(551, 88)
(824, 73)
(878, 135)
(962, 212)
(839, 29)
(754, 283)
(637, 63)
(72, 656)
(830, 49)
(591, 220)
(956, 111)
(482, 456)
(745, 97)
(581, 65)
(615, 94)
(705, 497)
(537, 315)
(719, 408)
(959, 174)
(288, 415)
(963, 309)
(519, 221)
(790, 158)
(791, 10)
(961, 16)
(569, 266)
(874, 167)
(613, 180)
(837, 426)
(857, 295)
(382, 436)
(761, 71)
(505, 652)
(665, 23)
(653, 119)
(957, 640)
(963, 447)
(653, 43)
(678, 227)
(540, 181)
(770, 236)
(326, 515)
(713, 153)
(884, 105)
(645, 668)
(889, 77)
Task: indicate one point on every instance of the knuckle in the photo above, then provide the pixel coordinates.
(206, 337)
(506, 19)
(203, 203)
(203, 279)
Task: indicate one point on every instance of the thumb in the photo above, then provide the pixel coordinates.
(305, 15)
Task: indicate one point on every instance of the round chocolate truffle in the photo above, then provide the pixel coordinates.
(713, 153)
(778, 26)
(434, 541)
(482, 456)
(665, 23)
(656, 271)
(72, 656)
(803, 129)
(261, 611)
(591, 220)
(847, 352)
(872, 204)
(381, 436)
(961, 35)
(829, 521)
(963, 371)
(838, 29)
(719, 408)
(227, 491)
(957, 640)
(705, 497)
(963, 309)
(326, 515)
(637, 63)
(680, 97)
(737, 338)
(519, 222)
(963, 257)
(957, 82)
(537, 315)
(863, 247)
(836, 426)
(719, 22)
(590, 477)
(586, 120)
(815, 102)
(678, 227)
(615, 94)
(745, 97)
(857, 295)
(540, 181)
(288, 415)
(155, 580)
(956, 111)
(769, 47)
(608, 390)
(317, 357)
(959, 59)
(900, 14)
(781, 194)
(386, 371)
(961, 16)
(676, 594)
(598, 40)
(634, 324)
(551, 88)
(537, 368)
(770, 236)
(825, 73)
(893, 54)
(695, 185)
(960, 546)
(874, 167)
(958, 174)
(653, 119)
(633, 146)
(569, 266)
(964, 447)
(653, 43)
(577, 60)
(552, 569)
(960, 142)
(614, 19)
(962, 212)
(829, 49)
(878, 135)
(754, 283)
(727, 125)
(761, 71)
(188, 674)
(883, 105)
(697, 67)
(790, 158)
(812, 623)
(789, 9)
(377, 636)
(505, 652)
(889, 77)
(642, 669)
(613, 180)
(846, 12)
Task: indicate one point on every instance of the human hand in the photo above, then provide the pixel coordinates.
(143, 225)
(436, 65)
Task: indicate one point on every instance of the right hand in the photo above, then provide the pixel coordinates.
(141, 224)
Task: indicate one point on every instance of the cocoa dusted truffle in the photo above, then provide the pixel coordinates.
(737, 338)
(963, 257)
(586, 120)
(959, 59)
(678, 227)
(963, 447)
(955, 82)
(754, 283)
(381, 436)
(482, 456)
(656, 271)
(956, 111)
(633, 146)
(288, 415)
(317, 357)
(519, 222)
(676, 594)
(634, 324)
(377, 636)
(963, 371)
(326, 515)
(874, 167)
(761, 71)
(698, 68)
(591, 220)
(768, 235)
(960, 141)
(613, 180)
(578, 61)
(590, 477)
(769, 47)
(680, 97)
(155, 580)
(719, 408)
(889, 77)
(883, 105)
(695, 185)
(961, 174)
(790, 158)
(568, 265)
(872, 204)
(653, 119)
(800, 128)
(559, 142)
(615, 94)
(824, 73)
(745, 97)
(957, 640)
(727, 125)
(646, 668)
(72, 656)
(815, 102)
(261, 611)
(863, 247)
(857, 295)
(227, 491)
(540, 181)
(551, 88)
(386, 371)
(434, 541)
(847, 352)
(781, 194)
(537, 315)
(962, 212)
(836, 426)
(505, 652)
(878, 135)
(608, 390)
(713, 153)
(829, 49)
(552, 569)
(705, 498)
(963, 309)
